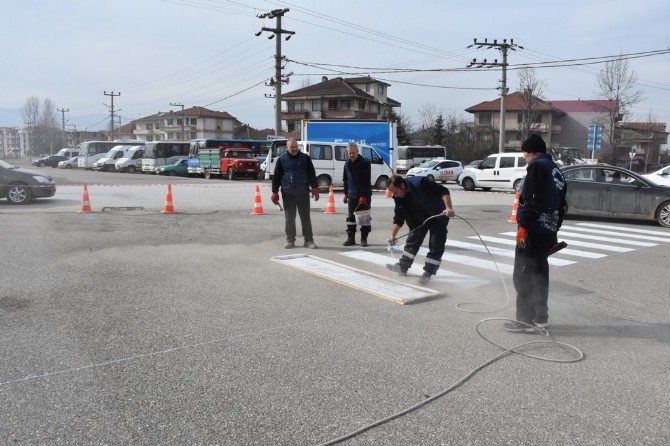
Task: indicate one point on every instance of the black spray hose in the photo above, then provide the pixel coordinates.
(519, 349)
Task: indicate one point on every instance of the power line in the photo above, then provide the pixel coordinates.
(235, 94)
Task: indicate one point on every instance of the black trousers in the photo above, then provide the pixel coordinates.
(301, 204)
(531, 278)
(436, 241)
(352, 204)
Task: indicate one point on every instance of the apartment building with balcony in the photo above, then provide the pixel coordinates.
(560, 123)
(194, 122)
(362, 98)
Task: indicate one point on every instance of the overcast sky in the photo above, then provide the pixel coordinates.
(199, 51)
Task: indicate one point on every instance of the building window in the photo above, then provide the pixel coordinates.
(536, 119)
(179, 121)
(170, 135)
(150, 126)
(367, 87)
(170, 122)
(380, 89)
(316, 105)
(361, 105)
(485, 118)
(293, 126)
(345, 104)
(193, 121)
(332, 104)
(295, 106)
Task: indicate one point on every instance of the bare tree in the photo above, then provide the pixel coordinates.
(617, 82)
(48, 122)
(305, 82)
(31, 111)
(531, 89)
(428, 114)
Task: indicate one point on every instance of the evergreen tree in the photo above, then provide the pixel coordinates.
(439, 132)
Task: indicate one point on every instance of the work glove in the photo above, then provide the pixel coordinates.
(521, 236)
(275, 198)
(362, 200)
(345, 199)
(315, 193)
(391, 243)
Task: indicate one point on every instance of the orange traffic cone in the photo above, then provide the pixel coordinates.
(258, 205)
(388, 193)
(85, 202)
(512, 218)
(168, 208)
(330, 206)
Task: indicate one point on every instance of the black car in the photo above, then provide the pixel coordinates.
(610, 191)
(20, 186)
(52, 161)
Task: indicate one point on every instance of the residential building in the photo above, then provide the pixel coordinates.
(196, 122)
(362, 98)
(10, 143)
(646, 138)
(487, 119)
(578, 116)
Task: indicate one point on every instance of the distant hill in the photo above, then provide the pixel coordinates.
(11, 117)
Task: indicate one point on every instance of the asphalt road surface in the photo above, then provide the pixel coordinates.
(136, 327)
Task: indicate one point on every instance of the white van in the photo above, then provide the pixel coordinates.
(68, 152)
(500, 170)
(110, 158)
(131, 161)
(329, 158)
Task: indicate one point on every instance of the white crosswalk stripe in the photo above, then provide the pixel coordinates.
(416, 270)
(590, 245)
(564, 251)
(621, 228)
(500, 252)
(473, 261)
(616, 233)
(604, 239)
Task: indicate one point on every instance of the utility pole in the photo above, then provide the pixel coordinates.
(174, 104)
(504, 48)
(111, 94)
(63, 111)
(278, 79)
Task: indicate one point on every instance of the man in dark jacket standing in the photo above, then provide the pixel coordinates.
(294, 172)
(539, 217)
(416, 200)
(357, 192)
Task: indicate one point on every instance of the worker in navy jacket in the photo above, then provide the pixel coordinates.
(539, 217)
(357, 192)
(426, 207)
(295, 174)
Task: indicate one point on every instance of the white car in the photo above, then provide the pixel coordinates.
(437, 169)
(660, 177)
(69, 163)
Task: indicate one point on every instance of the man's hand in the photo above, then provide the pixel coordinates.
(521, 235)
(449, 212)
(362, 200)
(275, 198)
(345, 199)
(315, 193)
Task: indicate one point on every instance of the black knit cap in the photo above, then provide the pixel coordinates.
(534, 143)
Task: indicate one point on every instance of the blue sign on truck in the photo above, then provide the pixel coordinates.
(379, 134)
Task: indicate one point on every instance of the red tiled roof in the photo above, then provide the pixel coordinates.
(336, 88)
(658, 127)
(585, 106)
(199, 112)
(514, 102)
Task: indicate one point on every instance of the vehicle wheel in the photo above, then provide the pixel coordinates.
(173, 173)
(40, 164)
(382, 183)
(486, 188)
(208, 174)
(231, 173)
(131, 169)
(323, 182)
(67, 166)
(18, 194)
(663, 214)
(468, 183)
(430, 177)
(517, 186)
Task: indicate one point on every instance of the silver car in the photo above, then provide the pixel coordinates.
(610, 191)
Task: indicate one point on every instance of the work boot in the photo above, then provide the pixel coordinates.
(350, 241)
(425, 278)
(396, 268)
(309, 244)
(289, 245)
(364, 240)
